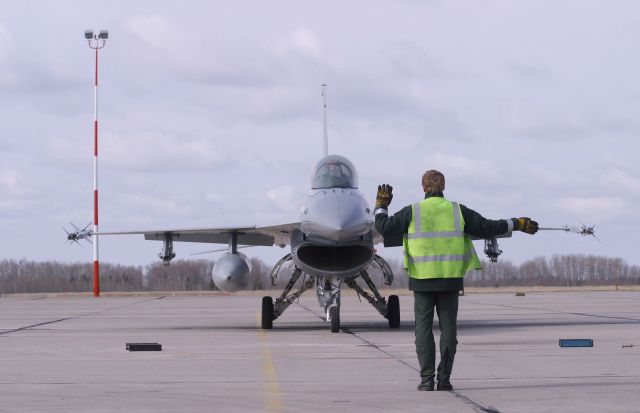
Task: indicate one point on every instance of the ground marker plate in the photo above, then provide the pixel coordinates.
(576, 342)
(144, 347)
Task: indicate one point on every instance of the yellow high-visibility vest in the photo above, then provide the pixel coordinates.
(435, 245)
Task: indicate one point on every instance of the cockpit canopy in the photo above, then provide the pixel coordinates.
(334, 171)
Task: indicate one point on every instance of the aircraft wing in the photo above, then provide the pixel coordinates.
(377, 239)
(257, 236)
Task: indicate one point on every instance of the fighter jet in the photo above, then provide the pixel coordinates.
(331, 245)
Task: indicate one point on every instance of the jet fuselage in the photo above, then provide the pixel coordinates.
(335, 239)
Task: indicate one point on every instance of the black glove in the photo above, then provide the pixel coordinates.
(526, 225)
(384, 196)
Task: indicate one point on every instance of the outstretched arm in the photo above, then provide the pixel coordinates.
(481, 227)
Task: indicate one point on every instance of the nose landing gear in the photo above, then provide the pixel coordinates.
(329, 299)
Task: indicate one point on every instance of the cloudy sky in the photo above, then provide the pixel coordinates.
(211, 115)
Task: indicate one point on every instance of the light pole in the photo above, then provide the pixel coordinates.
(96, 42)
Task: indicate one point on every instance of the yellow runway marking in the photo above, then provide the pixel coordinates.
(273, 400)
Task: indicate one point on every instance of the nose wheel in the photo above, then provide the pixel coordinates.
(334, 315)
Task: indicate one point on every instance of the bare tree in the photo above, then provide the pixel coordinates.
(25, 276)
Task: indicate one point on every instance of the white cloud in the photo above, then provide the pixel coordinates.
(306, 41)
(144, 203)
(592, 207)
(10, 179)
(622, 180)
(153, 29)
(213, 197)
(15, 196)
(282, 196)
(5, 41)
(461, 165)
(156, 149)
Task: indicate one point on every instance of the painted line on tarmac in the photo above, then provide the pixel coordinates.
(552, 311)
(72, 318)
(273, 401)
(476, 406)
(472, 403)
(34, 325)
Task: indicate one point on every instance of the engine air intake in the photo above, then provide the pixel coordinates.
(334, 258)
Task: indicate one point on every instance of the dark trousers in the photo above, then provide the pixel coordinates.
(446, 305)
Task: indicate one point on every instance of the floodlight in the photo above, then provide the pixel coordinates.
(104, 34)
(88, 34)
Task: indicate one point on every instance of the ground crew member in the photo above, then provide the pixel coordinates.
(438, 253)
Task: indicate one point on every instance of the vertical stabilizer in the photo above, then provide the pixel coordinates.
(325, 147)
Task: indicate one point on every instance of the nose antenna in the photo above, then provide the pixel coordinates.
(325, 146)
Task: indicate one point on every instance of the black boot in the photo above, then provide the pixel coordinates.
(426, 384)
(444, 385)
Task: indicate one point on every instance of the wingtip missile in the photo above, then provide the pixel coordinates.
(583, 230)
(79, 234)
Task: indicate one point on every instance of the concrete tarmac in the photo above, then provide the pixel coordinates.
(68, 354)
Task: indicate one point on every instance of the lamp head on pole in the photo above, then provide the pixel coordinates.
(96, 40)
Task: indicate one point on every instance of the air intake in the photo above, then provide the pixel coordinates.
(334, 258)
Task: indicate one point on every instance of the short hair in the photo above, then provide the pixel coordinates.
(433, 181)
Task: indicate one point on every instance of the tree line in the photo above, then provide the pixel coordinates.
(559, 270)
(25, 276)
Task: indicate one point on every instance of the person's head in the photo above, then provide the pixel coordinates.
(433, 182)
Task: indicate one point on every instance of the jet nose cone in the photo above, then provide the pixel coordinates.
(347, 223)
(338, 217)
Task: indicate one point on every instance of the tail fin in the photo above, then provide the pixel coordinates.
(325, 146)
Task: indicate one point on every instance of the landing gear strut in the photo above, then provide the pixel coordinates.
(390, 310)
(271, 310)
(329, 299)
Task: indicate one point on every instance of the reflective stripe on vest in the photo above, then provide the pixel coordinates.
(440, 258)
(457, 232)
(438, 247)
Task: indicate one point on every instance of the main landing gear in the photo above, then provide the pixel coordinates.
(267, 313)
(328, 294)
(389, 310)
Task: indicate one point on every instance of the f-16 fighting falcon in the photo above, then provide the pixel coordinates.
(332, 245)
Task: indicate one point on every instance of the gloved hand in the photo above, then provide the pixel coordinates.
(526, 225)
(384, 196)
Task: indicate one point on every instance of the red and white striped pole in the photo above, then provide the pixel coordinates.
(96, 42)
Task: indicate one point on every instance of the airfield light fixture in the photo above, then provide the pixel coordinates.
(96, 42)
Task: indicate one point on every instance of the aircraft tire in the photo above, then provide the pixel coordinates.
(393, 309)
(334, 313)
(267, 313)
